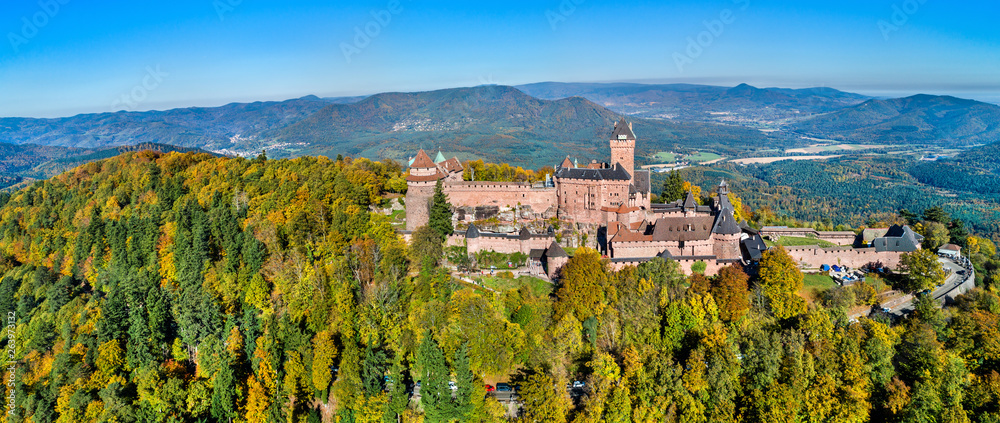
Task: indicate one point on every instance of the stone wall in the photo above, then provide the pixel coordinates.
(418, 197)
(542, 201)
(836, 237)
(812, 257)
(712, 266)
(508, 245)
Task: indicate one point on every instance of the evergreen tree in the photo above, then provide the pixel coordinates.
(440, 213)
(673, 188)
(466, 383)
(435, 395)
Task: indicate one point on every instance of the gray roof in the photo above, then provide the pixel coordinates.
(524, 234)
(641, 181)
(689, 201)
(472, 232)
(555, 250)
(725, 223)
(899, 239)
(754, 247)
(614, 173)
(622, 128)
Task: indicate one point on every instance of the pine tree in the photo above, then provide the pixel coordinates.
(435, 395)
(440, 213)
(673, 188)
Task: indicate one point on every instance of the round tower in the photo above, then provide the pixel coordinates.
(420, 183)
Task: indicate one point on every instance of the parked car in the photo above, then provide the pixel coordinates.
(490, 388)
(452, 386)
(503, 387)
(577, 384)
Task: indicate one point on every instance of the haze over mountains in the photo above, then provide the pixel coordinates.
(530, 124)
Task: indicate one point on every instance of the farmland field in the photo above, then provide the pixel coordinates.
(702, 157)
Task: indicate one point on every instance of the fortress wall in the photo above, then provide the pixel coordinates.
(501, 194)
(814, 257)
(509, 245)
(418, 196)
(836, 237)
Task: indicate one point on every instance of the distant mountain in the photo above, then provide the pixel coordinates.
(742, 104)
(493, 122)
(214, 128)
(920, 119)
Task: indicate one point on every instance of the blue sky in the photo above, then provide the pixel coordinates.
(83, 57)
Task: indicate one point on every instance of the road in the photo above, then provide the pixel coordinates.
(950, 283)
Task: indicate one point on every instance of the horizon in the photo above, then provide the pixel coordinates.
(993, 99)
(64, 58)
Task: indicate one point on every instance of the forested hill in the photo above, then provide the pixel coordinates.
(179, 287)
(921, 119)
(497, 123)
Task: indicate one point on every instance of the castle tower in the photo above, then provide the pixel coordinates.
(623, 147)
(420, 183)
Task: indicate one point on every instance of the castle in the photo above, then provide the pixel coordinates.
(613, 197)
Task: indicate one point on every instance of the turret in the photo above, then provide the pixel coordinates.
(623, 147)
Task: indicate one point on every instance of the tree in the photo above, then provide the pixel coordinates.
(427, 247)
(781, 278)
(673, 188)
(435, 395)
(544, 399)
(324, 351)
(923, 270)
(584, 280)
(729, 288)
(699, 267)
(935, 235)
(936, 214)
(440, 213)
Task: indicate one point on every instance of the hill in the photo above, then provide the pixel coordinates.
(28, 162)
(920, 119)
(211, 128)
(702, 102)
(497, 123)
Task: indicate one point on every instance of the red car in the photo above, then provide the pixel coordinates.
(490, 388)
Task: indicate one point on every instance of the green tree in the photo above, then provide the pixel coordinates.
(780, 279)
(440, 213)
(936, 214)
(935, 235)
(673, 188)
(923, 270)
(435, 395)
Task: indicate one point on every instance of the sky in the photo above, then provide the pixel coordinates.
(64, 57)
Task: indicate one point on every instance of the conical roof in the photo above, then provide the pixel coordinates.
(422, 160)
(525, 233)
(439, 158)
(689, 201)
(472, 232)
(555, 250)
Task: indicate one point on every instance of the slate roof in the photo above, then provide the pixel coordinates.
(555, 250)
(524, 234)
(682, 228)
(623, 128)
(422, 160)
(641, 181)
(689, 202)
(899, 239)
(536, 253)
(754, 247)
(616, 173)
(725, 223)
(472, 232)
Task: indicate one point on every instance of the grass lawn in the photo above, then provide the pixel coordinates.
(813, 283)
(538, 286)
(664, 157)
(703, 157)
(795, 241)
(398, 217)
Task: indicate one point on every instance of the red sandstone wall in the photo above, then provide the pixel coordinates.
(712, 268)
(508, 245)
(503, 194)
(814, 257)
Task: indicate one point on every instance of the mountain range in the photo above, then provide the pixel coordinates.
(529, 125)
